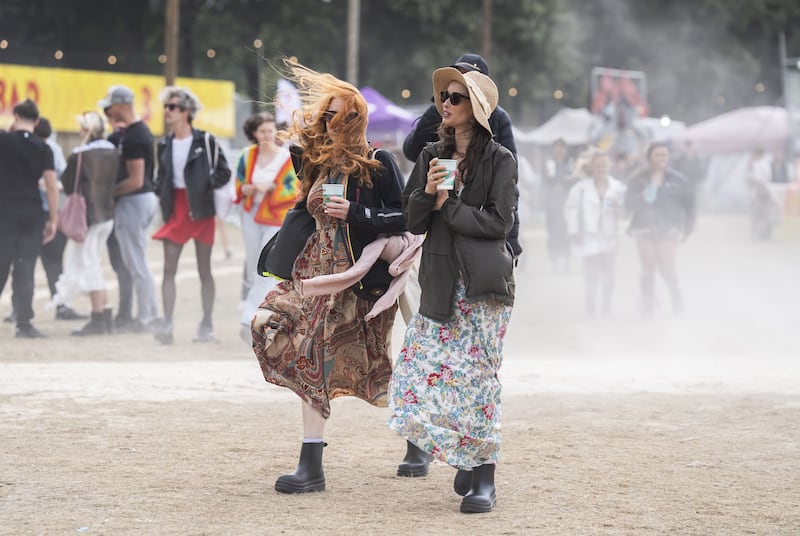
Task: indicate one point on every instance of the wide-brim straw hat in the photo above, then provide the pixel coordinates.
(482, 90)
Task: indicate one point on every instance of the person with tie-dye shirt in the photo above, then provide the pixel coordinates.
(266, 187)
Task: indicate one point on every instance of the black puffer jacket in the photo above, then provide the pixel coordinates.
(200, 180)
(484, 210)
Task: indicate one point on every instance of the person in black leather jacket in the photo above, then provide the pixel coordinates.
(190, 167)
(427, 125)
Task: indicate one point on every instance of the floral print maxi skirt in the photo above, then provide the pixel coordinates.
(445, 393)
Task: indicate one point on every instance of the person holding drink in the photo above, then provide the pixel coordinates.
(445, 393)
(321, 346)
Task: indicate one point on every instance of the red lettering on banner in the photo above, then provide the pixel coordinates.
(32, 91)
(147, 111)
(9, 95)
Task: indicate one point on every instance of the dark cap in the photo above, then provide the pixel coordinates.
(471, 62)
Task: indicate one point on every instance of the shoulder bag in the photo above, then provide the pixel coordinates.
(72, 217)
(278, 255)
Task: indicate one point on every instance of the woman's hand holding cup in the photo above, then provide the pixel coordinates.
(437, 173)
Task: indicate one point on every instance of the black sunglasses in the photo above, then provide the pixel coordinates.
(455, 98)
(171, 106)
(328, 115)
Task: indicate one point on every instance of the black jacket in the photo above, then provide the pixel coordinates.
(673, 208)
(425, 131)
(200, 180)
(484, 210)
(373, 211)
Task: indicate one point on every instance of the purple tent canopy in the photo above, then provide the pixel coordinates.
(745, 129)
(384, 116)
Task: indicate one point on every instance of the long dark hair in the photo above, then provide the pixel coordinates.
(480, 138)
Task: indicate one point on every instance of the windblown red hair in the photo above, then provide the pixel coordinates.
(350, 154)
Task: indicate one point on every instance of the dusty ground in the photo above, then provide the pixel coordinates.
(615, 425)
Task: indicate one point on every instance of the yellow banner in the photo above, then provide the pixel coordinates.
(63, 93)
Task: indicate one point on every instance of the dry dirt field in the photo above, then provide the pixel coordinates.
(617, 425)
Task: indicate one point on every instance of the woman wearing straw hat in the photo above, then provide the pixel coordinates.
(444, 393)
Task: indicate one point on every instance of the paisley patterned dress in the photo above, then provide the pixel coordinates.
(321, 347)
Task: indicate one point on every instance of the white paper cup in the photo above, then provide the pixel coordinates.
(330, 190)
(449, 180)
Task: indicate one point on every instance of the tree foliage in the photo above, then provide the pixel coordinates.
(701, 57)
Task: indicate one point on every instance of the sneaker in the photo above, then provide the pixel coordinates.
(205, 333)
(67, 313)
(29, 332)
(164, 333)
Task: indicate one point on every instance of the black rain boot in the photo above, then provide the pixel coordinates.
(415, 463)
(462, 483)
(309, 475)
(95, 326)
(481, 497)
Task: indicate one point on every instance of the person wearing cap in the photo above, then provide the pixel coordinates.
(92, 170)
(445, 393)
(24, 227)
(426, 131)
(190, 167)
(136, 204)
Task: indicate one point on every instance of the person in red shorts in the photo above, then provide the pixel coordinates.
(190, 167)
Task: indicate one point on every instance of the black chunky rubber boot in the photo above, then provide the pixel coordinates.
(415, 463)
(309, 475)
(481, 497)
(95, 326)
(462, 483)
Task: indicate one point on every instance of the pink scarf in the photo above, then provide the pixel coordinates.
(400, 251)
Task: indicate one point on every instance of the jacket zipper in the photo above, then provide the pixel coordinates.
(347, 229)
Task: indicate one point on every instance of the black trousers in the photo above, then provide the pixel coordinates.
(21, 230)
(53, 260)
(124, 279)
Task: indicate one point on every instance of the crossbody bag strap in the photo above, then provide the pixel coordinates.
(77, 188)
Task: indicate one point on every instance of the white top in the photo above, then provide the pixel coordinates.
(180, 153)
(595, 219)
(266, 174)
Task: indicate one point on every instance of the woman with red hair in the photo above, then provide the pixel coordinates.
(321, 347)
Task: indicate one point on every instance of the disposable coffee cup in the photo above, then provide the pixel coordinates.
(450, 179)
(330, 190)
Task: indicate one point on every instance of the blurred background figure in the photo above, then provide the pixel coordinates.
(592, 211)
(190, 167)
(53, 252)
(24, 227)
(266, 188)
(765, 206)
(92, 170)
(556, 183)
(135, 205)
(661, 202)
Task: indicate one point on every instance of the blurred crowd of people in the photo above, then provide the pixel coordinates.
(587, 198)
